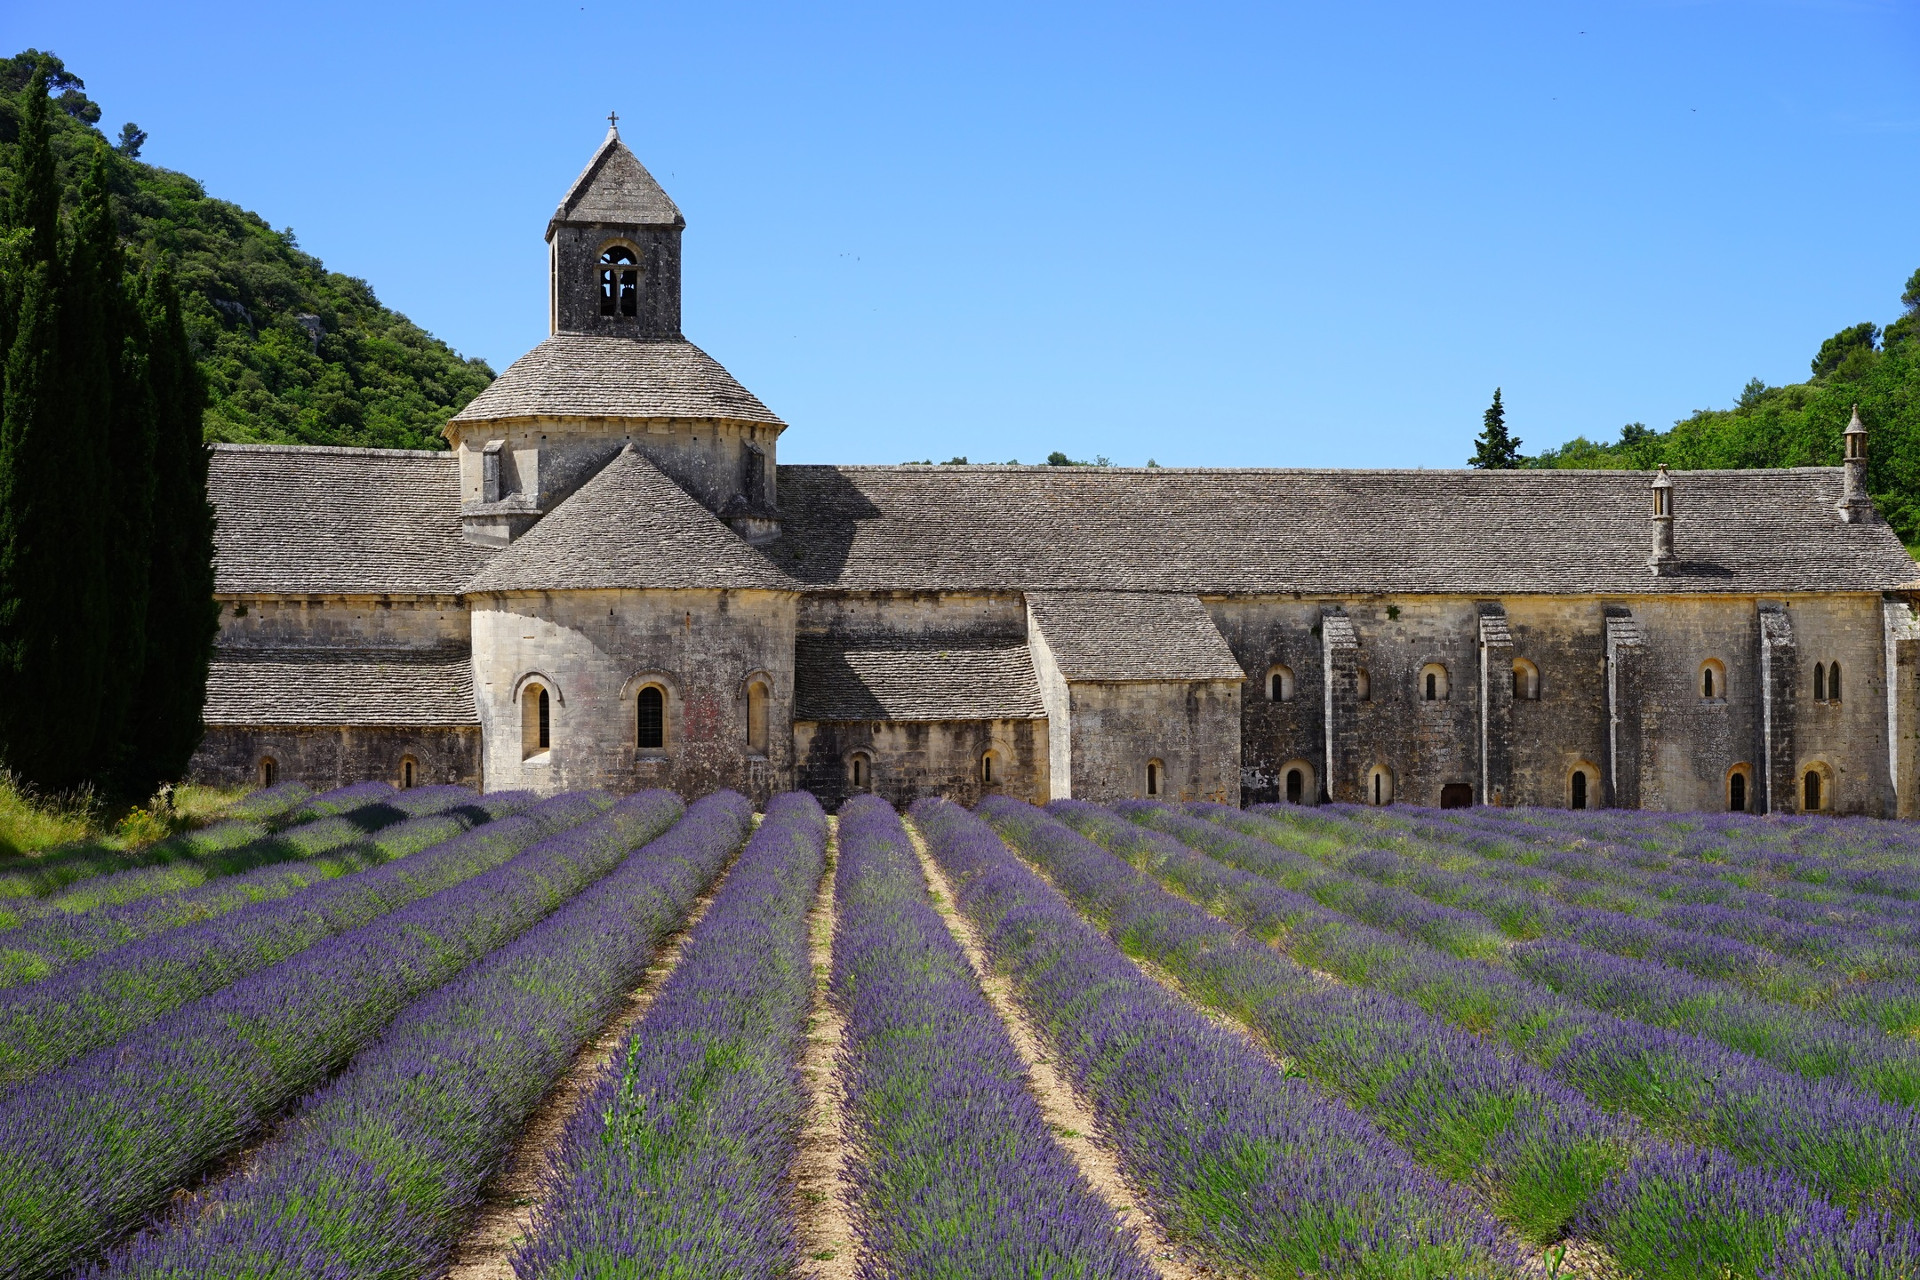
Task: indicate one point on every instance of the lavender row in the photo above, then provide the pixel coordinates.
(1486, 906)
(48, 945)
(1231, 1153)
(1860, 856)
(95, 1002)
(268, 811)
(96, 1147)
(318, 834)
(958, 1173)
(1550, 1161)
(383, 1168)
(1851, 1146)
(1786, 1034)
(677, 1162)
(1728, 879)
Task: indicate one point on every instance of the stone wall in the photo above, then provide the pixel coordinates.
(574, 276)
(595, 650)
(325, 757)
(1645, 715)
(543, 460)
(348, 622)
(914, 758)
(1190, 728)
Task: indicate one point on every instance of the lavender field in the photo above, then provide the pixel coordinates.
(428, 1033)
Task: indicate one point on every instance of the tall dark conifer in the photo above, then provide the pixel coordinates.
(52, 565)
(182, 617)
(120, 345)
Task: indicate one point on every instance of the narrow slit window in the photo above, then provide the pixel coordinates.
(1296, 786)
(536, 720)
(269, 771)
(409, 770)
(1154, 769)
(987, 775)
(1579, 787)
(1819, 683)
(1812, 797)
(1737, 793)
(1833, 683)
(650, 716)
(757, 717)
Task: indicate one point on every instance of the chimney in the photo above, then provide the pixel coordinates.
(1855, 506)
(1662, 558)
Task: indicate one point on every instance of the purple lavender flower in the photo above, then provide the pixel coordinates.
(678, 1159)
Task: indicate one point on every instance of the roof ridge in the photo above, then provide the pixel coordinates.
(349, 450)
(1089, 469)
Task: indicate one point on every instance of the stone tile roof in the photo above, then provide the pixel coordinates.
(581, 375)
(615, 187)
(265, 687)
(1324, 532)
(1120, 635)
(322, 521)
(914, 678)
(630, 527)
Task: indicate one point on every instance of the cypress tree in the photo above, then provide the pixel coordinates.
(118, 342)
(52, 566)
(1494, 449)
(182, 617)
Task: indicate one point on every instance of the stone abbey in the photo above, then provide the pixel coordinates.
(610, 581)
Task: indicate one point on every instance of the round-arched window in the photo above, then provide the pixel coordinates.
(1526, 681)
(619, 282)
(269, 771)
(650, 718)
(1379, 785)
(756, 717)
(1713, 680)
(1433, 683)
(989, 768)
(860, 771)
(536, 720)
(1280, 683)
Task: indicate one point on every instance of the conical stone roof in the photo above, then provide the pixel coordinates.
(616, 188)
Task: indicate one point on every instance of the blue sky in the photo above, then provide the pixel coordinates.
(1203, 233)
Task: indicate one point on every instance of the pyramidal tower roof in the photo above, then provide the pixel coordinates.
(616, 188)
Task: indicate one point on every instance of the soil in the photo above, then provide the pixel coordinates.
(821, 1192)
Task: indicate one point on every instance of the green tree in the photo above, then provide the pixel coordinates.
(1850, 343)
(52, 590)
(1493, 448)
(182, 616)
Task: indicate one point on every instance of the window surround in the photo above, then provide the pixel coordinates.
(1280, 683)
(1712, 681)
(1526, 681)
(1379, 786)
(669, 712)
(616, 278)
(1156, 778)
(1309, 787)
(1587, 791)
(1743, 773)
(860, 770)
(1432, 683)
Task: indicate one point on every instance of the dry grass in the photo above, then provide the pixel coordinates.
(33, 824)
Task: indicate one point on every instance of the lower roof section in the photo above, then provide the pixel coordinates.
(906, 678)
(326, 687)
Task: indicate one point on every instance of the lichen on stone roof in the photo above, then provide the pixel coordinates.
(616, 188)
(330, 687)
(297, 520)
(1121, 636)
(588, 376)
(914, 678)
(630, 528)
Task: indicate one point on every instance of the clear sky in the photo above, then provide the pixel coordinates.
(1235, 234)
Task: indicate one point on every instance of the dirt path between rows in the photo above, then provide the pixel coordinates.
(820, 1182)
(1067, 1114)
(514, 1194)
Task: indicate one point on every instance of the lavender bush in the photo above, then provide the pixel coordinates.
(53, 942)
(958, 1174)
(382, 1169)
(97, 1001)
(95, 1147)
(1851, 1147)
(1232, 1153)
(677, 1162)
(1720, 944)
(1461, 1103)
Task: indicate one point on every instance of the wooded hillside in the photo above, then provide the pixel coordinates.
(292, 353)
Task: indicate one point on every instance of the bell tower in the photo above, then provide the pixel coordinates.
(613, 251)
